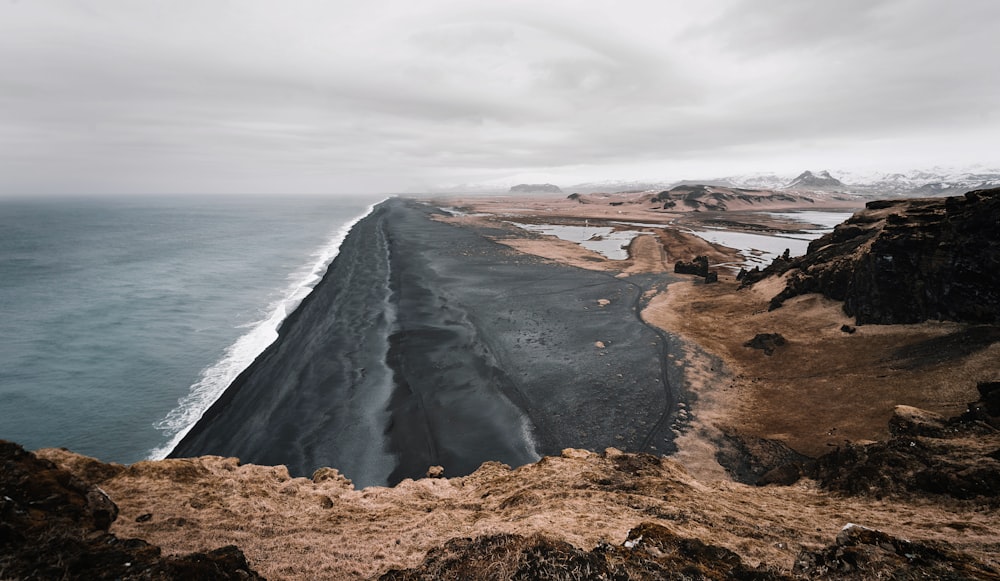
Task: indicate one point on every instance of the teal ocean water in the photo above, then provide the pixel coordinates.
(122, 319)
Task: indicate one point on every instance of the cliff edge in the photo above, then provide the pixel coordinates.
(905, 261)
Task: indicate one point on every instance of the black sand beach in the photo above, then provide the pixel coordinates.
(429, 344)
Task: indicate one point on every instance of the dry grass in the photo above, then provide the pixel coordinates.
(299, 529)
(824, 386)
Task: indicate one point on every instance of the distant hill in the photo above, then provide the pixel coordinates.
(535, 189)
(810, 180)
(701, 197)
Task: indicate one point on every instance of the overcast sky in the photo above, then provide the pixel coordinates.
(326, 96)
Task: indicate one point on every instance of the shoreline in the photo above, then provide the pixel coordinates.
(484, 343)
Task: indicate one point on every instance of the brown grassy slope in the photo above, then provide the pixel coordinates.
(824, 386)
(301, 529)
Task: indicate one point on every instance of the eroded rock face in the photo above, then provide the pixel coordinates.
(957, 457)
(906, 261)
(54, 526)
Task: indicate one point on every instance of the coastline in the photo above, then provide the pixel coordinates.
(492, 355)
(216, 379)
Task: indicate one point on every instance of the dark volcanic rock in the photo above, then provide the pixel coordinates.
(535, 189)
(698, 266)
(760, 461)
(906, 261)
(925, 454)
(767, 342)
(54, 526)
(651, 552)
(864, 553)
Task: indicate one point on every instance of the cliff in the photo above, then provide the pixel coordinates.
(579, 515)
(906, 261)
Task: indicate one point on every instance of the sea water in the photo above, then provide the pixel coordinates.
(122, 319)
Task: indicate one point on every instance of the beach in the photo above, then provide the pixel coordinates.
(429, 343)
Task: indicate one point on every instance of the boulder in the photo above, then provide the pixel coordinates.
(768, 342)
(698, 266)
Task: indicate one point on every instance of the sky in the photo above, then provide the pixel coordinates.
(328, 96)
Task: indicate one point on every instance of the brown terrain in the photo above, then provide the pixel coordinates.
(875, 463)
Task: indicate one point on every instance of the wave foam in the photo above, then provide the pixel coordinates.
(215, 379)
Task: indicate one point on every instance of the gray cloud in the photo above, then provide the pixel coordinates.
(318, 96)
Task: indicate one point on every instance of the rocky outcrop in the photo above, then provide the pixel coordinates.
(535, 189)
(650, 552)
(926, 453)
(864, 553)
(54, 525)
(808, 180)
(698, 266)
(766, 342)
(905, 261)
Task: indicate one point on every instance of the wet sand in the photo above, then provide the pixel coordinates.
(428, 343)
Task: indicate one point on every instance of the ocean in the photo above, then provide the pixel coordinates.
(122, 319)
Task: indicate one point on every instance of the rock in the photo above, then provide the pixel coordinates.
(848, 329)
(784, 475)
(911, 421)
(864, 553)
(810, 180)
(768, 342)
(435, 472)
(599, 344)
(651, 551)
(535, 189)
(711, 277)
(760, 461)
(327, 474)
(698, 266)
(54, 526)
(906, 261)
(925, 454)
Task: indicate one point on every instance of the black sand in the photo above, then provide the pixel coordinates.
(427, 343)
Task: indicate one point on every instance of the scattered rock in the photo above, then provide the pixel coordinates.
(599, 344)
(603, 302)
(848, 329)
(767, 342)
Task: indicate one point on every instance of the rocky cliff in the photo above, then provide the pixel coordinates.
(906, 261)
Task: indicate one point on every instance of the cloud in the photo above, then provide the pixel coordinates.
(320, 96)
